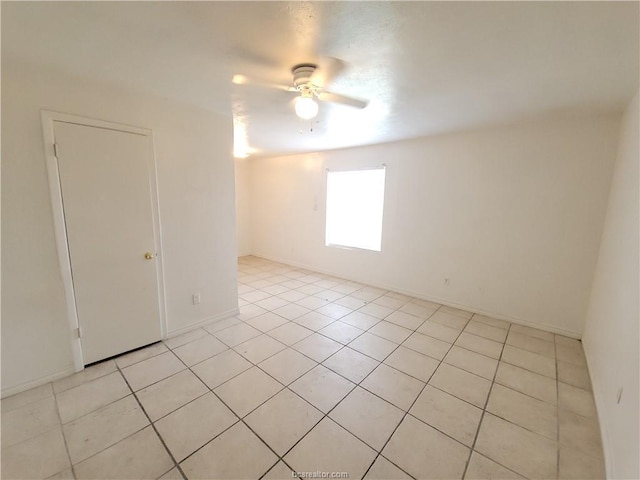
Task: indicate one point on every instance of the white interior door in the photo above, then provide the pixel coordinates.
(108, 211)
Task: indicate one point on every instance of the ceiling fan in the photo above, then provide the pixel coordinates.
(308, 82)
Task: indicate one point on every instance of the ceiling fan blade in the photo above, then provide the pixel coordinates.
(327, 70)
(244, 80)
(342, 99)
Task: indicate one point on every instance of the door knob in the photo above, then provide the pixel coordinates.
(148, 256)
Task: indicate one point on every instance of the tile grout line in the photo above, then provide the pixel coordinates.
(64, 437)
(152, 424)
(414, 401)
(484, 411)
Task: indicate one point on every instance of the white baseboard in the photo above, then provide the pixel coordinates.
(8, 391)
(205, 321)
(468, 308)
(600, 407)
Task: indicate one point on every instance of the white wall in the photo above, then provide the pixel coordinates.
(197, 213)
(243, 206)
(511, 215)
(611, 331)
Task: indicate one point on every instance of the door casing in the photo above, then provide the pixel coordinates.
(64, 260)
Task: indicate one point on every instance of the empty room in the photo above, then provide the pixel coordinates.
(381, 240)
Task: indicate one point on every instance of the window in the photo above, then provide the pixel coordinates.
(354, 208)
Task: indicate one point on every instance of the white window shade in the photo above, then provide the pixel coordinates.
(355, 201)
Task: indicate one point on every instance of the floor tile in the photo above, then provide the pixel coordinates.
(530, 361)
(90, 396)
(194, 424)
(393, 385)
(330, 448)
(383, 469)
(236, 454)
(141, 455)
(351, 364)
(571, 352)
(317, 347)
(254, 380)
(152, 370)
(532, 332)
(351, 302)
(472, 362)
(438, 331)
(532, 344)
(283, 420)
(267, 321)
(423, 452)
(250, 311)
(314, 321)
(375, 310)
(404, 319)
(291, 311)
(280, 471)
(333, 310)
(199, 350)
(287, 366)
(237, 334)
(579, 466)
(494, 322)
(271, 303)
(449, 320)
(142, 354)
(482, 468)
(98, 430)
(523, 410)
(185, 338)
(368, 417)
(290, 333)
(312, 302)
(486, 331)
(63, 475)
(322, 388)
(259, 348)
(173, 474)
(390, 302)
(39, 457)
(29, 421)
(580, 433)
(25, 398)
(89, 373)
(292, 295)
(448, 414)
(217, 370)
(529, 383)
(576, 375)
(412, 363)
(481, 345)
(576, 400)
(329, 295)
(459, 383)
(170, 394)
(525, 452)
(427, 345)
(420, 311)
(341, 332)
(275, 289)
(390, 331)
(255, 295)
(373, 346)
(455, 311)
(360, 320)
(221, 324)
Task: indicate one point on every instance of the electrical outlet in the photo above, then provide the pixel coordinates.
(195, 298)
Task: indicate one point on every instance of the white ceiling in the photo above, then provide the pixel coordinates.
(426, 67)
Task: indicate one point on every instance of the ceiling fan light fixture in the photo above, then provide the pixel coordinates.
(306, 107)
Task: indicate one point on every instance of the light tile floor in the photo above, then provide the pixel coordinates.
(318, 374)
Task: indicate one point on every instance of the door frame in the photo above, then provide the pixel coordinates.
(48, 118)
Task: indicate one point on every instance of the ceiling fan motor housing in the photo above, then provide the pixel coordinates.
(302, 74)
